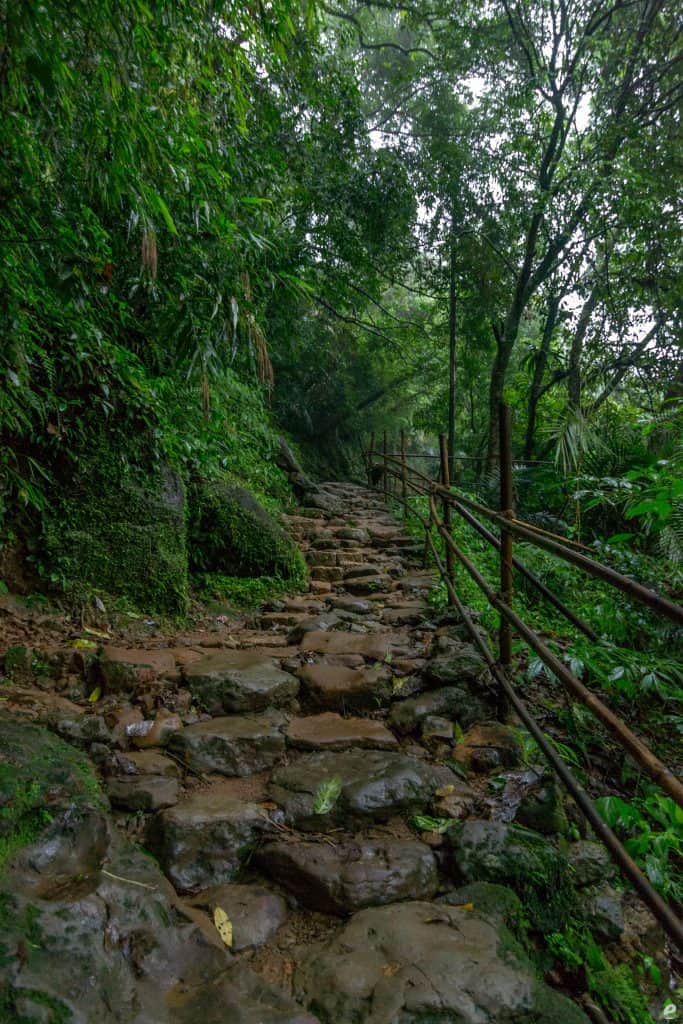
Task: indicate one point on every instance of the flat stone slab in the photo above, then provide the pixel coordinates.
(255, 913)
(145, 793)
(352, 604)
(245, 680)
(337, 686)
(203, 840)
(332, 732)
(233, 745)
(422, 961)
(122, 669)
(323, 790)
(350, 876)
(374, 647)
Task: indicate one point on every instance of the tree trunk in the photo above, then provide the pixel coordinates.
(504, 347)
(452, 361)
(536, 389)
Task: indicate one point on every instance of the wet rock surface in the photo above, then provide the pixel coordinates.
(232, 745)
(304, 770)
(352, 875)
(373, 786)
(423, 961)
(205, 839)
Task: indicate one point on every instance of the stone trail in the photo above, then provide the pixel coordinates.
(331, 774)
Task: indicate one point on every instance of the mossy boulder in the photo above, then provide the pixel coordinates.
(53, 824)
(232, 534)
(531, 865)
(122, 532)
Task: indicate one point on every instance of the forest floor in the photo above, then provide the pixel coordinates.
(332, 774)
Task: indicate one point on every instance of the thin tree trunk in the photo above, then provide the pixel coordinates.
(452, 360)
(536, 389)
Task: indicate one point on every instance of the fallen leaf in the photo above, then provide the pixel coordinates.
(445, 790)
(96, 632)
(95, 695)
(465, 906)
(85, 645)
(223, 926)
(390, 969)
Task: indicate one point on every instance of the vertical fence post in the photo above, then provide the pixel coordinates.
(506, 500)
(371, 456)
(385, 474)
(404, 482)
(446, 513)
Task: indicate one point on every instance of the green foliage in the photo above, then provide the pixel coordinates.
(614, 987)
(652, 831)
(239, 593)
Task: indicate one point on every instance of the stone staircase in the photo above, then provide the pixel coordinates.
(301, 770)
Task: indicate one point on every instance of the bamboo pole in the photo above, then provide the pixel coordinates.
(505, 535)
(446, 508)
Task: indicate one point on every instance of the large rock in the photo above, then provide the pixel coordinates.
(351, 875)
(53, 816)
(120, 948)
(490, 851)
(204, 840)
(120, 528)
(239, 681)
(231, 533)
(144, 793)
(320, 791)
(423, 962)
(121, 670)
(338, 687)
(236, 745)
(461, 663)
(451, 702)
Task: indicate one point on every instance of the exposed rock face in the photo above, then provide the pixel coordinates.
(236, 745)
(417, 962)
(235, 681)
(350, 876)
(90, 930)
(373, 785)
(203, 840)
(122, 949)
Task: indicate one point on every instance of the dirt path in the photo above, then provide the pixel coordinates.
(304, 769)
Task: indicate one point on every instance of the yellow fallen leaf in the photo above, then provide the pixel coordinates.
(96, 632)
(85, 645)
(95, 695)
(445, 790)
(465, 906)
(223, 926)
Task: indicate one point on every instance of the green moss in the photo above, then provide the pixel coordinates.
(120, 532)
(615, 988)
(231, 534)
(35, 766)
(241, 594)
(59, 1013)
